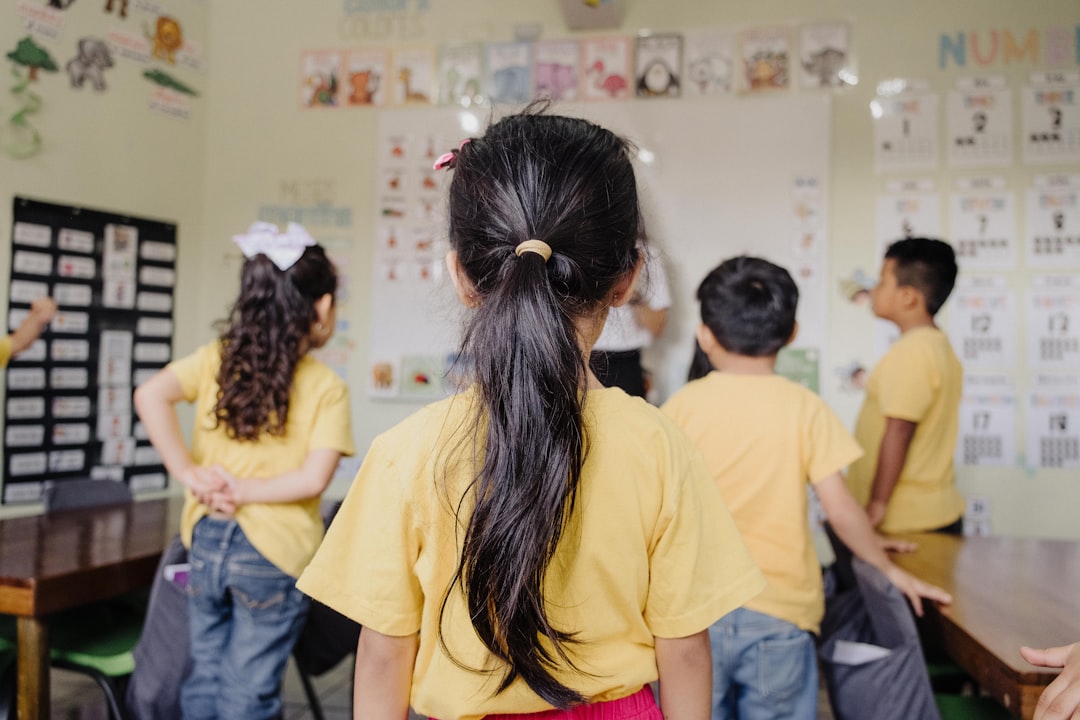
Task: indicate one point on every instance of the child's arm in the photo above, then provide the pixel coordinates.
(1061, 698)
(155, 402)
(685, 667)
(42, 311)
(383, 680)
(891, 459)
(852, 527)
(307, 481)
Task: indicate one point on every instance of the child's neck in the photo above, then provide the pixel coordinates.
(914, 322)
(733, 364)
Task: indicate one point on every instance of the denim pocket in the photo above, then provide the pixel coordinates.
(783, 663)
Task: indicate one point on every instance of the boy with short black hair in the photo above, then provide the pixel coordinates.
(910, 417)
(766, 440)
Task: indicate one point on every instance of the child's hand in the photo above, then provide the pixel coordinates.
(43, 310)
(891, 544)
(915, 589)
(202, 482)
(1061, 698)
(875, 512)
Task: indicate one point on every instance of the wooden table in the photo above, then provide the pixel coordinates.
(67, 559)
(1007, 592)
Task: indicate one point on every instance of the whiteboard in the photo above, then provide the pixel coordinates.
(717, 176)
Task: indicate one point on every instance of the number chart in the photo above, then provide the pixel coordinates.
(1051, 119)
(979, 125)
(905, 132)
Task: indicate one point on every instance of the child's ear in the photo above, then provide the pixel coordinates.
(794, 334)
(463, 286)
(706, 339)
(624, 288)
(323, 306)
(910, 298)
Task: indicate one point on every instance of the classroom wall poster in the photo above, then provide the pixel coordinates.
(1053, 322)
(905, 129)
(461, 74)
(825, 56)
(709, 62)
(509, 72)
(1053, 422)
(658, 65)
(1050, 116)
(413, 76)
(982, 224)
(987, 421)
(978, 123)
(982, 315)
(556, 69)
(366, 77)
(606, 68)
(320, 78)
(765, 59)
(1052, 222)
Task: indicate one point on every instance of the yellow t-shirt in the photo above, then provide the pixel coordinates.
(287, 534)
(650, 551)
(920, 380)
(5, 350)
(764, 439)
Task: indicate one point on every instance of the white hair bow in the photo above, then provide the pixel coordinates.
(283, 248)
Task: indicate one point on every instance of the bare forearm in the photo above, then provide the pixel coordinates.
(891, 458)
(307, 481)
(383, 680)
(685, 667)
(850, 522)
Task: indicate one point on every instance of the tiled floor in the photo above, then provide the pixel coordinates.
(75, 697)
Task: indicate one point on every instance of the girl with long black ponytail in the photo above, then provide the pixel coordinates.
(536, 543)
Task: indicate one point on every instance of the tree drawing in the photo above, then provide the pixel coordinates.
(26, 139)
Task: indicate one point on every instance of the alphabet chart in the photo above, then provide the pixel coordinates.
(905, 131)
(983, 321)
(1053, 222)
(979, 123)
(1051, 118)
(69, 411)
(982, 225)
(987, 421)
(1053, 432)
(1053, 318)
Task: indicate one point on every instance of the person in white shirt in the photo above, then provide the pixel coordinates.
(616, 357)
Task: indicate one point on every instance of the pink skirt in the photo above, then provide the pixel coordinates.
(639, 706)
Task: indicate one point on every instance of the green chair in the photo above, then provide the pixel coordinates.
(96, 640)
(970, 707)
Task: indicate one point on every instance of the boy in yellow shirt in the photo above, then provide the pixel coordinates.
(910, 417)
(766, 440)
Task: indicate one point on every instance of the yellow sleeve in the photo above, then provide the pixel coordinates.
(192, 370)
(910, 382)
(699, 568)
(831, 447)
(363, 569)
(5, 350)
(333, 422)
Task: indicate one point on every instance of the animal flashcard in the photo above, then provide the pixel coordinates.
(658, 65)
(509, 72)
(556, 69)
(365, 77)
(765, 56)
(320, 76)
(461, 75)
(605, 68)
(414, 76)
(825, 56)
(708, 62)
(90, 63)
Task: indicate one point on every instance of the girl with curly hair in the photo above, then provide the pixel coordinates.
(271, 423)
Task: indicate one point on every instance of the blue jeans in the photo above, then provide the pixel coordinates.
(245, 617)
(763, 669)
